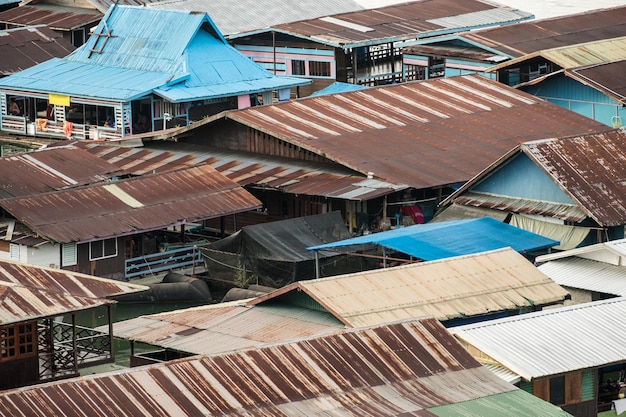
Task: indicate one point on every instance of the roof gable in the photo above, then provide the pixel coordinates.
(464, 286)
(143, 39)
(589, 169)
(520, 177)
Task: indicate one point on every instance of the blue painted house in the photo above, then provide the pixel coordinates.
(587, 78)
(572, 189)
(136, 75)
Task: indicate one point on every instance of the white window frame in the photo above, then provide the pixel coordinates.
(97, 257)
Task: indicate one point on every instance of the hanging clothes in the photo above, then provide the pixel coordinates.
(67, 129)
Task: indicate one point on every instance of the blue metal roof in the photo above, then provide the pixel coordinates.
(339, 87)
(446, 239)
(135, 51)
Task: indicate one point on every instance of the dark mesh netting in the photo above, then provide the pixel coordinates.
(274, 254)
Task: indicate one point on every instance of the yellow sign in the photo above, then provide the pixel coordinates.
(59, 100)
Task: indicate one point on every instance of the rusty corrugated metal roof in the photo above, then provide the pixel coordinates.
(288, 175)
(393, 370)
(124, 207)
(575, 56)
(590, 169)
(30, 292)
(51, 169)
(22, 48)
(463, 286)
(507, 204)
(606, 78)
(403, 21)
(531, 36)
(423, 134)
(63, 19)
(229, 326)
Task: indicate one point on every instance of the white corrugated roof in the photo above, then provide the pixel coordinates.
(586, 274)
(553, 341)
(613, 252)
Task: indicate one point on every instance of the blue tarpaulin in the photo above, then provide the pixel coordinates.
(454, 238)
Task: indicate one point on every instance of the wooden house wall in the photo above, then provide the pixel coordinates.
(574, 96)
(577, 402)
(230, 135)
(21, 370)
(106, 268)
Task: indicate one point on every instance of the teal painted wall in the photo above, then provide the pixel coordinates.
(520, 177)
(579, 98)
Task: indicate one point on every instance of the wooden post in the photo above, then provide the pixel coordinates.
(111, 340)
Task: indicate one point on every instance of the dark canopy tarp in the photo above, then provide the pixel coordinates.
(275, 254)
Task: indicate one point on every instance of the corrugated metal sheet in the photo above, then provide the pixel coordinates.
(440, 240)
(607, 78)
(575, 56)
(553, 341)
(505, 204)
(502, 373)
(590, 169)
(232, 17)
(532, 36)
(30, 292)
(66, 19)
(403, 21)
(500, 405)
(228, 326)
(135, 49)
(460, 212)
(127, 206)
(612, 252)
(464, 286)
(288, 175)
(422, 134)
(22, 48)
(338, 87)
(394, 370)
(587, 275)
(52, 169)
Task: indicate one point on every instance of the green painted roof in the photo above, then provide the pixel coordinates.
(516, 403)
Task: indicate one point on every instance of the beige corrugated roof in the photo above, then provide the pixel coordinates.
(228, 326)
(451, 288)
(575, 56)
